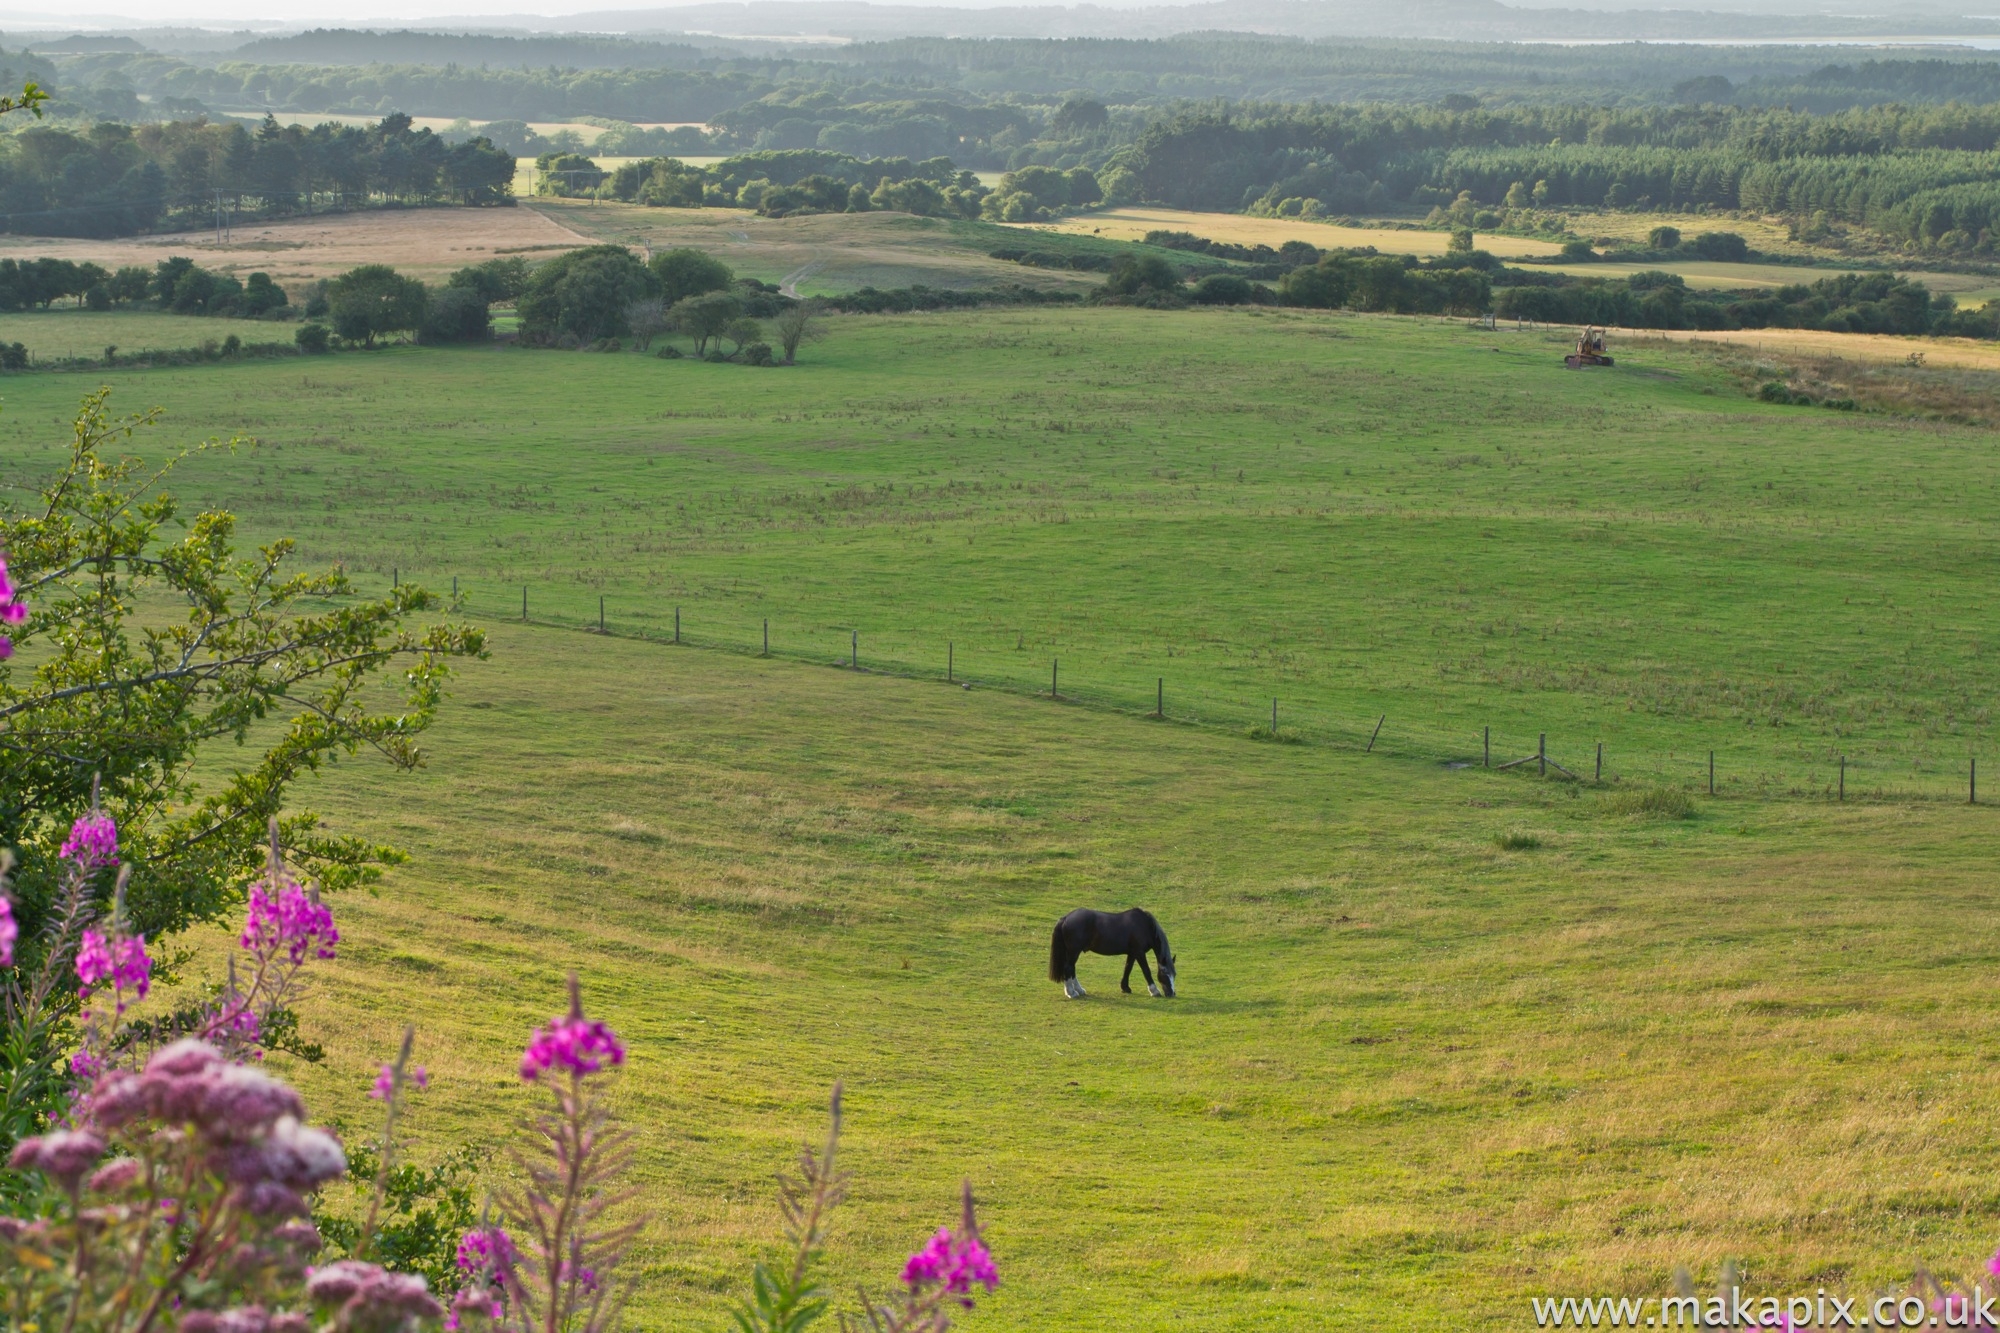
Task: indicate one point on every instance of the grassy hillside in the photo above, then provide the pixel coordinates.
(1412, 1078)
(1448, 1038)
(1378, 516)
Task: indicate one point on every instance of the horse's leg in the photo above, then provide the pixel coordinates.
(1071, 986)
(1125, 982)
(1145, 971)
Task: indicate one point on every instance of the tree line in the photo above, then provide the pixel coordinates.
(113, 180)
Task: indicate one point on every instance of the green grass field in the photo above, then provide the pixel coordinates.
(1447, 1039)
(61, 334)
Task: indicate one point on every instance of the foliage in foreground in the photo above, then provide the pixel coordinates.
(113, 706)
(178, 1192)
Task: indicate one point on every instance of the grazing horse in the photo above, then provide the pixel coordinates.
(1131, 933)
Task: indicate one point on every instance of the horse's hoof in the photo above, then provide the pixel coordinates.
(1154, 991)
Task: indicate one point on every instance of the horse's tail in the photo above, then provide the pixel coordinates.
(1056, 954)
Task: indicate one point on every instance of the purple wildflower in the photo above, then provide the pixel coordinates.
(284, 916)
(487, 1250)
(62, 1155)
(953, 1263)
(10, 930)
(385, 1082)
(93, 962)
(123, 963)
(12, 610)
(92, 842)
(368, 1297)
(580, 1045)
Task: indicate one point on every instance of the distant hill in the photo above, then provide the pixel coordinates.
(1457, 20)
(349, 46)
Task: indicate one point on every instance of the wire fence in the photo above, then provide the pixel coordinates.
(983, 660)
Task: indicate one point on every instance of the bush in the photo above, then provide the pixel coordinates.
(374, 301)
(311, 339)
(1222, 289)
(1663, 802)
(687, 272)
(458, 315)
(582, 296)
(757, 354)
(1578, 252)
(1517, 840)
(1723, 246)
(1663, 238)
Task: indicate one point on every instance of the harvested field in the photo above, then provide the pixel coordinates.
(1130, 224)
(424, 242)
(1872, 348)
(821, 253)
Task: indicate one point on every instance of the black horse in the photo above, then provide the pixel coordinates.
(1131, 933)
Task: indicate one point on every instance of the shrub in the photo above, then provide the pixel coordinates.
(757, 354)
(583, 295)
(374, 301)
(311, 339)
(1517, 840)
(686, 272)
(1662, 802)
(1663, 238)
(457, 315)
(1725, 246)
(1222, 289)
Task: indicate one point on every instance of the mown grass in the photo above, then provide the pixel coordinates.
(1359, 516)
(1413, 1078)
(62, 334)
(1448, 1038)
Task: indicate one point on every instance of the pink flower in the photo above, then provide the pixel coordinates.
(929, 1264)
(370, 1298)
(133, 970)
(12, 610)
(93, 963)
(10, 930)
(487, 1250)
(385, 1082)
(93, 841)
(284, 916)
(123, 963)
(62, 1155)
(955, 1263)
(580, 1045)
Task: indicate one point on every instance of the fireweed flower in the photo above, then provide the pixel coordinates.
(92, 842)
(487, 1250)
(12, 610)
(122, 962)
(283, 916)
(385, 1082)
(10, 930)
(580, 1045)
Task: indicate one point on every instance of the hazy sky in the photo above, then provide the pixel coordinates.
(366, 13)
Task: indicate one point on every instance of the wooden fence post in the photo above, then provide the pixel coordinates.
(677, 624)
(600, 613)
(1160, 697)
(1600, 763)
(1843, 777)
(1053, 664)
(767, 636)
(1377, 732)
(853, 648)
(950, 662)
(1542, 754)
(524, 603)
(1711, 772)
(1274, 719)
(1486, 747)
